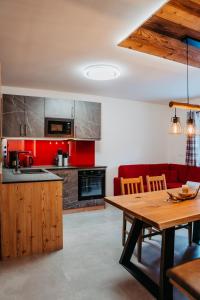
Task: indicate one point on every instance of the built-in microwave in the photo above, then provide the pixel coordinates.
(59, 127)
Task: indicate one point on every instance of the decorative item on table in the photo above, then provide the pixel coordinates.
(190, 195)
(65, 159)
(185, 189)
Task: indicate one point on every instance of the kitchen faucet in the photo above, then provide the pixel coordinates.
(17, 160)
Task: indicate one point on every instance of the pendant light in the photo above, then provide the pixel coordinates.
(175, 126)
(190, 126)
(190, 129)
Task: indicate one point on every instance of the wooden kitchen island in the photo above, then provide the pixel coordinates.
(31, 218)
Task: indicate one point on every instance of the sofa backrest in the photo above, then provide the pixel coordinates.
(182, 172)
(173, 172)
(130, 171)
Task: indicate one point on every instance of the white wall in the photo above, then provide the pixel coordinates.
(132, 132)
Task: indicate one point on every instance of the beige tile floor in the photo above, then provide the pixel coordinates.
(87, 268)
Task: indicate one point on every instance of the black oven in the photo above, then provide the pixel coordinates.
(57, 127)
(91, 184)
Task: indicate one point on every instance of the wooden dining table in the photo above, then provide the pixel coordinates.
(154, 209)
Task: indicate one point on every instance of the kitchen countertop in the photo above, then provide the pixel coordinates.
(54, 167)
(10, 177)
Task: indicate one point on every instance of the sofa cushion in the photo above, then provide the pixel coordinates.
(158, 167)
(182, 171)
(131, 171)
(117, 186)
(193, 174)
(157, 170)
(170, 175)
(173, 185)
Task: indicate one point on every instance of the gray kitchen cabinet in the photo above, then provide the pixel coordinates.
(13, 116)
(87, 120)
(59, 108)
(34, 117)
(23, 116)
(70, 187)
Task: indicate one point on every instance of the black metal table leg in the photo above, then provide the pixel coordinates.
(136, 272)
(133, 236)
(196, 232)
(166, 262)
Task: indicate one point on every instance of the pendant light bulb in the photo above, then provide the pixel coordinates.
(190, 126)
(175, 126)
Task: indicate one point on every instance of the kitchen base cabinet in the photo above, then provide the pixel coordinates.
(70, 191)
(70, 187)
(31, 218)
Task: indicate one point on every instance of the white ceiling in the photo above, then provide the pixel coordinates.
(47, 43)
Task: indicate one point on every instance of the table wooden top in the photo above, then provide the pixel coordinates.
(154, 209)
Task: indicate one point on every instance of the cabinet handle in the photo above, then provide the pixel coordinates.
(20, 129)
(25, 129)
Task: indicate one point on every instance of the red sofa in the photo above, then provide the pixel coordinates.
(176, 175)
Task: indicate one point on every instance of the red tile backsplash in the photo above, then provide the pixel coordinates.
(82, 153)
(44, 152)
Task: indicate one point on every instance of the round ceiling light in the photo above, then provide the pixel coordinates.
(101, 72)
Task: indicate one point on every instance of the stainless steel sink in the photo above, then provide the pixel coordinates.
(30, 171)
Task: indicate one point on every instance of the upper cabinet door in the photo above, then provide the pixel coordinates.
(59, 108)
(34, 116)
(87, 120)
(13, 116)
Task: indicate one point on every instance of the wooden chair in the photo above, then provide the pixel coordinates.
(131, 186)
(186, 278)
(158, 183)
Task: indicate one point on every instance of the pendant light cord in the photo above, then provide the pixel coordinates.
(188, 94)
(188, 99)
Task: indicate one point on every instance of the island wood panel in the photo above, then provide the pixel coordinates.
(31, 218)
(162, 34)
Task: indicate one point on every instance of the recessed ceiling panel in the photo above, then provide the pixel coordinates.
(163, 34)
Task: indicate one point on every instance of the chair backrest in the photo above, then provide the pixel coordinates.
(156, 183)
(132, 185)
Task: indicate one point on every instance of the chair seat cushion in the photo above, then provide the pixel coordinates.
(187, 276)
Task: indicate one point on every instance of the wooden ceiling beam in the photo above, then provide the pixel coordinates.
(151, 42)
(177, 15)
(163, 33)
(189, 6)
(170, 28)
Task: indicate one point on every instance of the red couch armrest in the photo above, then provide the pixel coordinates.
(117, 187)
